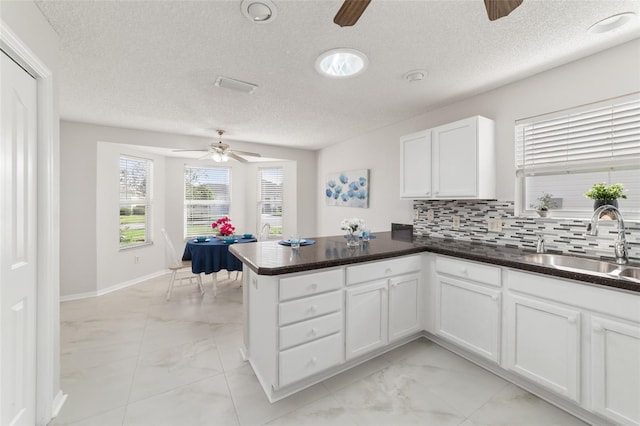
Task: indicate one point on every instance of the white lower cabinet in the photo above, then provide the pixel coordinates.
(404, 306)
(309, 359)
(469, 315)
(615, 369)
(366, 323)
(543, 343)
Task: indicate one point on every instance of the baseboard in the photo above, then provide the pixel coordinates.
(119, 286)
(58, 402)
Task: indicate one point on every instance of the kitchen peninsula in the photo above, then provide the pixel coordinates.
(313, 312)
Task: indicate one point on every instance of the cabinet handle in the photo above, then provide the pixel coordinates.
(314, 286)
(394, 284)
(313, 361)
(388, 271)
(571, 320)
(494, 298)
(464, 271)
(598, 327)
(254, 282)
(312, 309)
(313, 331)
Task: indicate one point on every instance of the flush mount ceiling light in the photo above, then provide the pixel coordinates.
(341, 63)
(611, 23)
(259, 11)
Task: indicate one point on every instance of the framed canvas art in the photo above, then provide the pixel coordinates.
(348, 189)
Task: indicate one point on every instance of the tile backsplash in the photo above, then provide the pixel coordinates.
(560, 235)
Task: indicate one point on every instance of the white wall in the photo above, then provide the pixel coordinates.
(25, 21)
(88, 152)
(607, 74)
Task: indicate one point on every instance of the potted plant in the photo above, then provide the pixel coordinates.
(544, 204)
(603, 194)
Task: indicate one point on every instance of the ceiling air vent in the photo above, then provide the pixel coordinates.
(240, 86)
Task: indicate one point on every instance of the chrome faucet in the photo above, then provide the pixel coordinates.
(540, 245)
(620, 245)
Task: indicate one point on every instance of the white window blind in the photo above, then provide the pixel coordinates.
(207, 198)
(271, 198)
(135, 201)
(594, 137)
(566, 152)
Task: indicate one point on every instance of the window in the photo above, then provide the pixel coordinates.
(565, 153)
(207, 198)
(271, 197)
(135, 201)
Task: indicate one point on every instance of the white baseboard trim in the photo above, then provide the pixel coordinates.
(58, 402)
(89, 294)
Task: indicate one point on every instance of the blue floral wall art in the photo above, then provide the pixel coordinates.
(348, 189)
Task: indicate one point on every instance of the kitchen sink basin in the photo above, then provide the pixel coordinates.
(630, 272)
(561, 261)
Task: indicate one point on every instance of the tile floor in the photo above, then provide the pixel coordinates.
(132, 358)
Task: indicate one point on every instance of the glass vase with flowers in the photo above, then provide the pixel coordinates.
(353, 228)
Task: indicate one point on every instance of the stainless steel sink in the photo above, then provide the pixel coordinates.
(630, 272)
(562, 261)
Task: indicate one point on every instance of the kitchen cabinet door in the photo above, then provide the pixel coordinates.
(404, 306)
(469, 314)
(455, 159)
(415, 165)
(543, 343)
(366, 318)
(615, 370)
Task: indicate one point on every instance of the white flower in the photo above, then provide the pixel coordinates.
(352, 225)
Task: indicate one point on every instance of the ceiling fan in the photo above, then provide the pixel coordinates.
(351, 10)
(221, 152)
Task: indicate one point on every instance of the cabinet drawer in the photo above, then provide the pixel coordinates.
(469, 270)
(382, 269)
(306, 360)
(312, 329)
(309, 284)
(310, 307)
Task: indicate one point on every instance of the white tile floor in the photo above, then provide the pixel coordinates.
(132, 358)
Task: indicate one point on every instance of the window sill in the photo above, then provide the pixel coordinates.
(134, 246)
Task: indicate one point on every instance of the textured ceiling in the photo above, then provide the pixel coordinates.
(152, 64)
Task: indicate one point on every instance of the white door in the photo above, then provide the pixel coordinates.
(455, 159)
(403, 306)
(615, 370)
(469, 315)
(415, 165)
(366, 318)
(18, 266)
(543, 343)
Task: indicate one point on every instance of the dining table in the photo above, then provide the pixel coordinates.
(212, 254)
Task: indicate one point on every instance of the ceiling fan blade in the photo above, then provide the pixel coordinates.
(350, 12)
(189, 150)
(497, 9)
(236, 157)
(251, 154)
(207, 155)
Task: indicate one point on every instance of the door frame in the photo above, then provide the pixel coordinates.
(48, 219)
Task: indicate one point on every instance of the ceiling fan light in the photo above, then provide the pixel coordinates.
(611, 23)
(341, 63)
(216, 157)
(224, 158)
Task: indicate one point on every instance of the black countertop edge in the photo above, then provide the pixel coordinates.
(494, 254)
(333, 262)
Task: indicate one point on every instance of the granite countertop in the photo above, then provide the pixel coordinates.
(271, 258)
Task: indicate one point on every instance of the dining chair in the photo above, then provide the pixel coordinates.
(177, 265)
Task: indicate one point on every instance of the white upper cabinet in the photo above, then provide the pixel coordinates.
(415, 167)
(452, 161)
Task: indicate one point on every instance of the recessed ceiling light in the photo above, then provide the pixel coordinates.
(611, 23)
(259, 11)
(341, 63)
